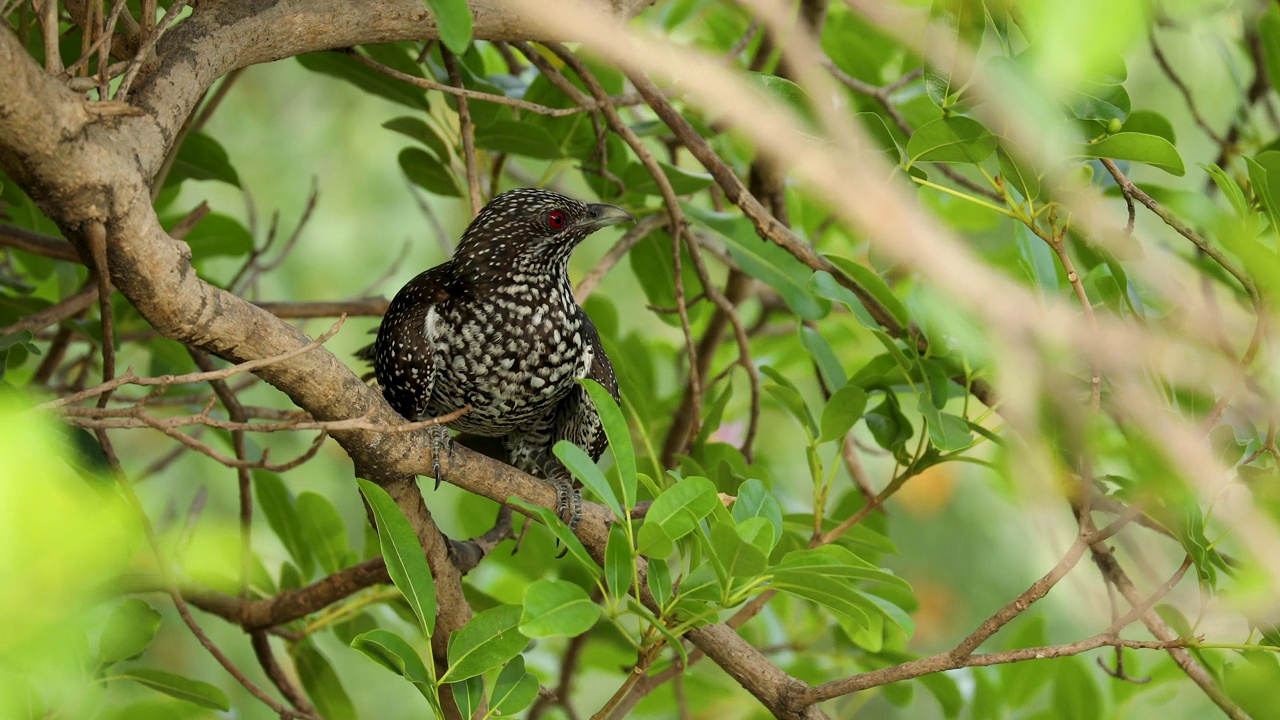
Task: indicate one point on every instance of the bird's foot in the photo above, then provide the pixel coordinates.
(441, 444)
(568, 504)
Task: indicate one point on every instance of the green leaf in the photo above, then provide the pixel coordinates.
(1018, 176)
(561, 532)
(219, 235)
(1251, 679)
(836, 562)
(518, 138)
(875, 286)
(824, 357)
(342, 66)
(1230, 189)
(659, 581)
(968, 20)
(738, 557)
(824, 284)
(276, 503)
(833, 594)
(202, 158)
(1269, 38)
(1149, 122)
(557, 608)
(1137, 147)
(469, 695)
(843, 409)
(946, 691)
(514, 690)
(453, 21)
(1075, 694)
(880, 136)
(487, 642)
(406, 562)
(1264, 173)
(619, 435)
(763, 260)
(428, 173)
(585, 470)
(397, 655)
(323, 531)
(675, 513)
(954, 139)
(637, 179)
(1024, 680)
(619, 561)
(786, 393)
(753, 501)
(192, 691)
(780, 91)
(322, 684)
(947, 432)
(1100, 101)
(422, 132)
(128, 631)
(888, 425)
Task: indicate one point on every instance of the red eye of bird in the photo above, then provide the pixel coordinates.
(555, 219)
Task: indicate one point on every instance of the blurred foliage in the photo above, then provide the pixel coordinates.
(974, 521)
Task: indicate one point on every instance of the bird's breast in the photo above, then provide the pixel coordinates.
(511, 357)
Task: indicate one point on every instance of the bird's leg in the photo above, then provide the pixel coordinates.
(441, 443)
(568, 500)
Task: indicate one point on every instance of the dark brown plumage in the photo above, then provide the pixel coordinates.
(497, 328)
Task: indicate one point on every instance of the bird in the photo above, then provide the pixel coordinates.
(497, 329)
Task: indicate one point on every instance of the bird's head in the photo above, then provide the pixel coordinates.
(530, 227)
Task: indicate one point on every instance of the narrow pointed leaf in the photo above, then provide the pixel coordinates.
(406, 562)
(615, 428)
(585, 470)
(193, 691)
(619, 561)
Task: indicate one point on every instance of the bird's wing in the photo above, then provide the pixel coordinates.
(602, 372)
(404, 358)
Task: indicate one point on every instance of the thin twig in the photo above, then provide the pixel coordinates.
(468, 131)
(41, 319)
(133, 417)
(267, 659)
(235, 410)
(165, 380)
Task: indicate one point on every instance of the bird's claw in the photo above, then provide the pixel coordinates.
(441, 443)
(568, 505)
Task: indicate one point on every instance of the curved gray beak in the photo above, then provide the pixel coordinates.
(600, 215)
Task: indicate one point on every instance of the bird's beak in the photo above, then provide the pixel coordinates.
(600, 215)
